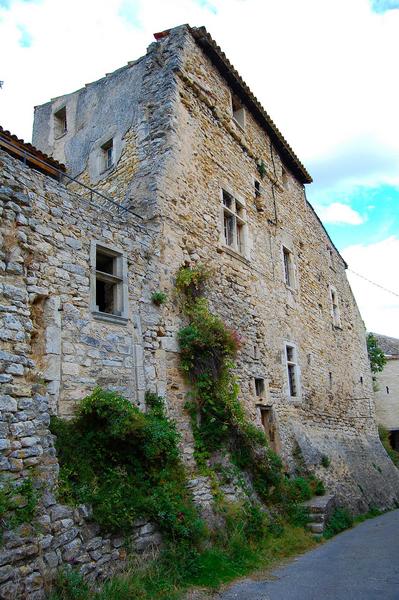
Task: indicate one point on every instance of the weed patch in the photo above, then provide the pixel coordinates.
(207, 352)
(126, 465)
(18, 500)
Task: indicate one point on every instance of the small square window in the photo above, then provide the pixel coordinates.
(288, 267)
(108, 154)
(284, 177)
(336, 317)
(292, 371)
(259, 387)
(238, 111)
(109, 282)
(60, 122)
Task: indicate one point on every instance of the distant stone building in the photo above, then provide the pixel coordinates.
(176, 161)
(387, 393)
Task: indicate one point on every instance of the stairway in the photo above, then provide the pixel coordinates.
(319, 509)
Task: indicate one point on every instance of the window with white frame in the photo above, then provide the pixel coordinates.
(108, 282)
(335, 312)
(60, 122)
(107, 155)
(293, 377)
(238, 111)
(289, 271)
(234, 223)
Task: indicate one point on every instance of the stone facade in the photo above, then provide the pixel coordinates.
(279, 282)
(387, 393)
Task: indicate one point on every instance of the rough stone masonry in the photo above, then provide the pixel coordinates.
(199, 174)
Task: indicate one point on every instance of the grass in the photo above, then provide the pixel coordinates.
(341, 519)
(170, 575)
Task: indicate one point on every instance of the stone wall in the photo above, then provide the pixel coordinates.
(387, 395)
(335, 413)
(54, 352)
(182, 149)
(176, 148)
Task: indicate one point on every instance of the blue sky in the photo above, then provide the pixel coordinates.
(325, 71)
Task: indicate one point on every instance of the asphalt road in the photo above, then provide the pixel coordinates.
(359, 564)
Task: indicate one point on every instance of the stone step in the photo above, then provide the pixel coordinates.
(317, 517)
(316, 528)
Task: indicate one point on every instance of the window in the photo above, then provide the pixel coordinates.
(330, 258)
(284, 177)
(238, 111)
(60, 122)
(288, 267)
(259, 387)
(292, 371)
(233, 223)
(257, 188)
(336, 318)
(109, 283)
(108, 154)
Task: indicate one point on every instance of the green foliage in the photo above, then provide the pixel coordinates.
(18, 500)
(376, 355)
(207, 352)
(234, 553)
(261, 168)
(370, 514)
(159, 298)
(191, 281)
(384, 437)
(126, 465)
(340, 520)
(325, 461)
(69, 585)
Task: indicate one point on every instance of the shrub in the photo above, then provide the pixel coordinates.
(340, 520)
(125, 464)
(159, 298)
(18, 500)
(325, 461)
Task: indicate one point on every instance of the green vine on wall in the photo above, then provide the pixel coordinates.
(126, 465)
(207, 352)
(18, 501)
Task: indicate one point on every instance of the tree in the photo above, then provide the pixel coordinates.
(376, 355)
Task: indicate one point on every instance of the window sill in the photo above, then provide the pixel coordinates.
(238, 125)
(295, 400)
(337, 327)
(58, 137)
(290, 288)
(107, 170)
(234, 254)
(109, 318)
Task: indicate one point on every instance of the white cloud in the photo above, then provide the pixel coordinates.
(339, 214)
(378, 263)
(321, 90)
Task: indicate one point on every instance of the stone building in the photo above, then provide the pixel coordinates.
(172, 159)
(387, 393)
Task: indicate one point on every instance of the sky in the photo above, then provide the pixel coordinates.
(326, 72)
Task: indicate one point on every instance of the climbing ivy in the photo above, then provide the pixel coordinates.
(18, 501)
(126, 465)
(207, 352)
